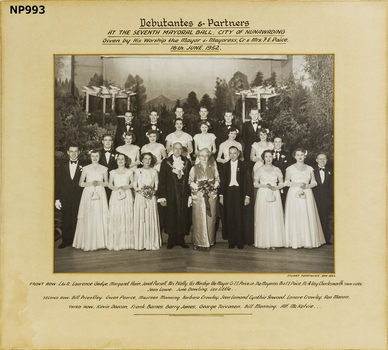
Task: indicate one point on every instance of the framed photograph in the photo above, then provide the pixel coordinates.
(85, 82)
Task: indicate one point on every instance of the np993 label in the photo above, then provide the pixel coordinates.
(33, 10)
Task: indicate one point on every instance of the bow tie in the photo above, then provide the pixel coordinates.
(322, 169)
(73, 161)
(254, 122)
(228, 124)
(107, 151)
(277, 151)
(127, 124)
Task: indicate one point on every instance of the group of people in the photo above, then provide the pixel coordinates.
(131, 192)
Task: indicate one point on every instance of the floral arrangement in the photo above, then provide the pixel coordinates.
(207, 187)
(147, 192)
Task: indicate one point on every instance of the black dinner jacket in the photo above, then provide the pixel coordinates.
(285, 160)
(194, 129)
(112, 161)
(323, 192)
(162, 134)
(243, 178)
(67, 189)
(249, 136)
(120, 129)
(221, 132)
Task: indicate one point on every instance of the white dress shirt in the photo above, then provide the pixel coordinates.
(233, 175)
(107, 156)
(73, 168)
(322, 174)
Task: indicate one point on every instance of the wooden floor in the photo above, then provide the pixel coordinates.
(218, 259)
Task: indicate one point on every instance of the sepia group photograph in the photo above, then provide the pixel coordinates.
(194, 164)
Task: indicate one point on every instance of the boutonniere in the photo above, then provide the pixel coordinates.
(282, 156)
(116, 155)
(329, 173)
(80, 167)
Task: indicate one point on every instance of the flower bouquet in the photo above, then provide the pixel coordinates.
(147, 192)
(207, 187)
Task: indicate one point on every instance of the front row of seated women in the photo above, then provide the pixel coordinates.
(133, 223)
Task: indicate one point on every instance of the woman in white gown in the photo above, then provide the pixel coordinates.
(223, 152)
(180, 136)
(120, 233)
(205, 140)
(258, 148)
(146, 219)
(157, 149)
(269, 219)
(302, 225)
(131, 151)
(92, 226)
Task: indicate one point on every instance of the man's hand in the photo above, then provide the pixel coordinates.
(163, 203)
(58, 204)
(246, 201)
(222, 200)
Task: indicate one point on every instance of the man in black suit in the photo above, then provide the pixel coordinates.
(250, 133)
(173, 194)
(68, 195)
(282, 160)
(108, 157)
(223, 127)
(153, 125)
(236, 191)
(125, 124)
(323, 193)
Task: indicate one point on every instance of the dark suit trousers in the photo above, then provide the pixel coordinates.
(323, 211)
(176, 233)
(108, 193)
(69, 221)
(234, 216)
